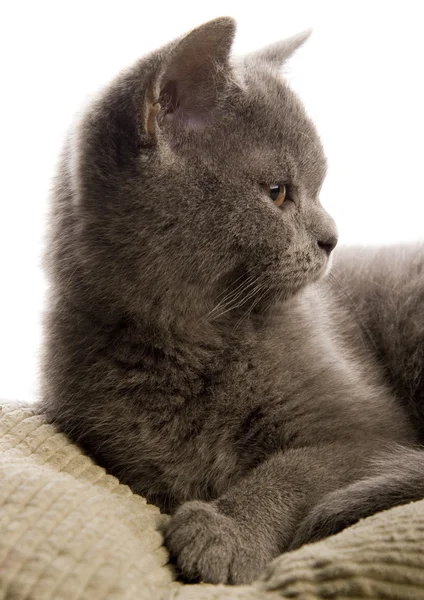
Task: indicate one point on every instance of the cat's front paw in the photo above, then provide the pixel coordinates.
(210, 546)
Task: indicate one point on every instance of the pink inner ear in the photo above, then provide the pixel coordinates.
(195, 75)
(169, 96)
(189, 121)
(178, 109)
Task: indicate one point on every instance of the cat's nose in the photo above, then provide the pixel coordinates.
(328, 244)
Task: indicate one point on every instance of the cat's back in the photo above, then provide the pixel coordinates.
(383, 288)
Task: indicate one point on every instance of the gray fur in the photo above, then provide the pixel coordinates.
(194, 346)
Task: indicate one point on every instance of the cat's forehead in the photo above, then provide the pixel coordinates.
(272, 130)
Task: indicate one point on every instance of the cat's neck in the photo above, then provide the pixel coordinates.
(187, 336)
(201, 337)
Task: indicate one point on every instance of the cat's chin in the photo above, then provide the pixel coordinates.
(278, 290)
(275, 297)
(327, 266)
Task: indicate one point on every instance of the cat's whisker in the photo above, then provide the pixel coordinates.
(243, 301)
(235, 281)
(230, 306)
(241, 292)
(278, 297)
(249, 311)
(225, 299)
(230, 298)
(238, 290)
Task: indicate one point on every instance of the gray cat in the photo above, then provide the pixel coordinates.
(196, 345)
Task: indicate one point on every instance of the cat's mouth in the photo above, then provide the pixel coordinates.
(253, 289)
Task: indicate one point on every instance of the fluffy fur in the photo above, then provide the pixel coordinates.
(194, 346)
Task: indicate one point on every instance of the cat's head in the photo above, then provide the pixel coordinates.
(193, 176)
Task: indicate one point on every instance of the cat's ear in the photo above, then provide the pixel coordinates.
(275, 55)
(195, 71)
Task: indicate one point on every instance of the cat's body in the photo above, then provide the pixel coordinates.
(194, 348)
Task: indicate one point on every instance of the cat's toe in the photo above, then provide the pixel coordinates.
(207, 546)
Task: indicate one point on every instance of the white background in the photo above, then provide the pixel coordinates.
(360, 76)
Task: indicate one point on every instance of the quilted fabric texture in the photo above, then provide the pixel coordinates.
(70, 531)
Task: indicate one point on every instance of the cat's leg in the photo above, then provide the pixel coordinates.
(233, 538)
(400, 480)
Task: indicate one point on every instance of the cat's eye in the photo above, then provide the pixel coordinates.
(277, 192)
